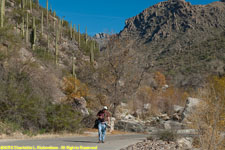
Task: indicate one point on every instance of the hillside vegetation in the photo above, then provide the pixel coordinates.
(39, 55)
(48, 69)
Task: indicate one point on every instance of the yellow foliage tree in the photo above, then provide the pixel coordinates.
(74, 88)
(160, 79)
(209, 119)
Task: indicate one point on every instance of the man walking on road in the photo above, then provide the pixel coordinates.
(103, 122)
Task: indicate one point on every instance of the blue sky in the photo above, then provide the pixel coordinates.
(102, 15)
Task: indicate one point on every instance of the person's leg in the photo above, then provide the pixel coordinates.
(100, 132)
(103, 132)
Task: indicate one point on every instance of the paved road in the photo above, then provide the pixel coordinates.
(113, 142)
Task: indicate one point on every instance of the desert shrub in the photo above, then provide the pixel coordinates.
(161, 100)
(44, 55)
(89, 120)
(30, 113)
(167, 135)
(74, 88)
(209, 117)
(2, 55)
(160, 79)
(151, 138)
(7, 34)
(62, 117)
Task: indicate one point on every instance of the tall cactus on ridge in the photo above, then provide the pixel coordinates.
(74, 32)
(59, 28)
(42, 22)
(71, 31)
(22, 4)
(56, 47)
(47, 12)
(22, 27)
(27, 29)
(31, 5)
(2, 12)
(48, 43)
(37, 3)
(54, 15)
(34, 35)
(79, 35)
(92, 53)
(62, 22)
(73, 67)
(86, 36)
(17, 27)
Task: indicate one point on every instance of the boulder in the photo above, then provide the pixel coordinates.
(80, 104)
(191, 104)
(129, 126)
(164, 117)
(112, 124)
(185, 142)
(176, 117)
(133, 126)
(187, 131)
(147, 107)
(173, 125)
(129, 117)
(177, 109)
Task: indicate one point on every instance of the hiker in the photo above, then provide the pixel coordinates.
(103, 123)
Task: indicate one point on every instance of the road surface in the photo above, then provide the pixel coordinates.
(113, 142)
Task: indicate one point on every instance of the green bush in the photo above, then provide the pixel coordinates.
(62, 117)
(21, 107)
(167, 135)
(44, 55)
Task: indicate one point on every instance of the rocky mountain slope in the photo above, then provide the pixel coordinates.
(50, 72)
(41, 60)
(183, 41)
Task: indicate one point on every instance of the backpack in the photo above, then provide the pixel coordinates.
(96, 124)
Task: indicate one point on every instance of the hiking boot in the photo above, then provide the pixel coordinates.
(103, 142)
(99, 141)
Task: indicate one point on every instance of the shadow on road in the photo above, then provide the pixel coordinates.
(80, 141)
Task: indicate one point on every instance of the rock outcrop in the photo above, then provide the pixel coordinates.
(160, 145)
(102, 39)
(81, 105)
(174, 36)
(190, 107)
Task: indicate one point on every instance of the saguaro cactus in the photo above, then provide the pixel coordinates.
(59, 28)
(2, 12)
(48, 42)
(47, 12)
(16, 27)
(62, 22)
(37, 3)
(34, 35)
(54, 15)
(27, 29)
(79, 35)
(56, 47)
(71, 31)
(86, 37)
(92, 53)
(22, 27)
(42, 22)
(31, 5)
(73, 67)
(74, 32)
(22, 4)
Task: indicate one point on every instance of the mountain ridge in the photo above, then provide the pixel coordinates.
(173, 34)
